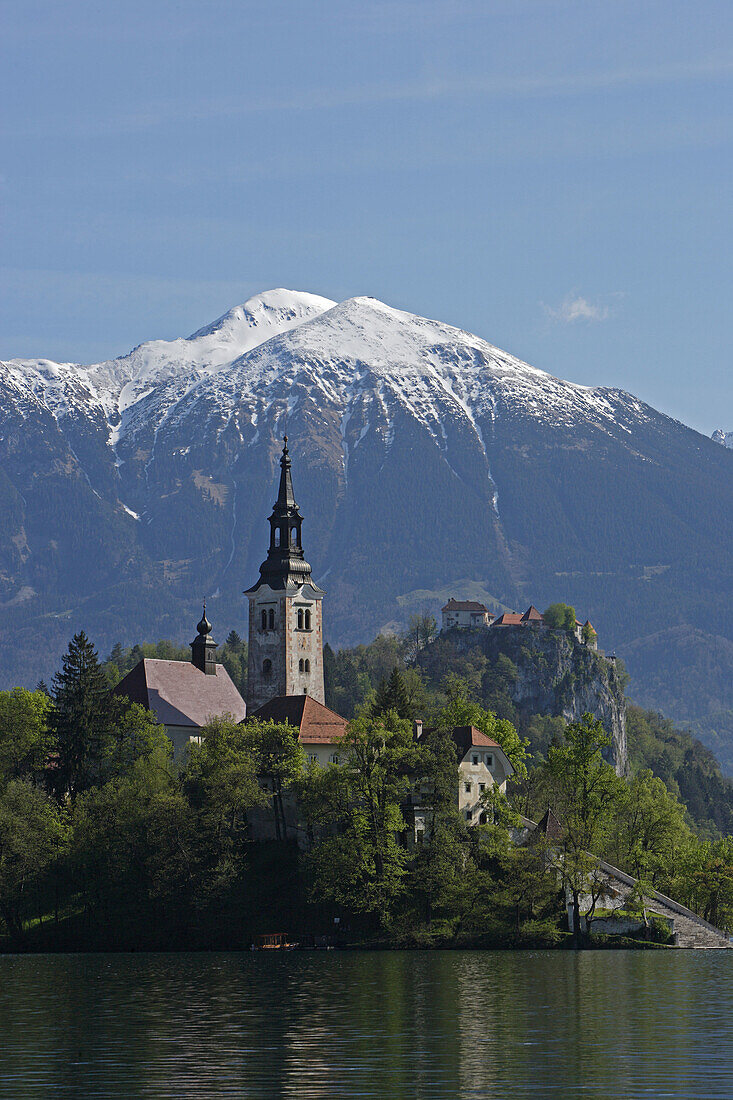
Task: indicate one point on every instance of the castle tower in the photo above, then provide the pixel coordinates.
(285, 610)
(203, 647)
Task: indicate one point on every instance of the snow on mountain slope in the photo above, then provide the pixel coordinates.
(163, 369)
(723, 437)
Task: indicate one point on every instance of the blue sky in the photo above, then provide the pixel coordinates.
(553, 176)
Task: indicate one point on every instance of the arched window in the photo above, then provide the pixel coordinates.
(271, 619)
(267, 668)
(307, 620)
(307, 665)
(277, 536)
(264, 619)
(293, 536)
(300, 665)
(300, 618)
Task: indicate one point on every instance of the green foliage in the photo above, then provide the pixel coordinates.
(461, 710)
(25, 739)
(81, 719)
(392, 695)
(279, 760)
(705, 880)
(687, 768)
(32, 833)
(560, 616)
(364, 867)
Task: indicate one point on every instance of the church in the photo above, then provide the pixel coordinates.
(285, 670)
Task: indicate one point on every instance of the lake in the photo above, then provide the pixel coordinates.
(382, 1024)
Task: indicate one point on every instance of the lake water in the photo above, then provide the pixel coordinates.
(382, 1024)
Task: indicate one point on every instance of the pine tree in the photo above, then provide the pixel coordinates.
(392, 695)
(233, 640)
(81, 719)
(398, 693)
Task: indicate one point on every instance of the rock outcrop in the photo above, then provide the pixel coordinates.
(549, 673)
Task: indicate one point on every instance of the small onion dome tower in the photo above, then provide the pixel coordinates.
(203, 647)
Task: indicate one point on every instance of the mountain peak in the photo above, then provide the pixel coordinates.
(270, 312)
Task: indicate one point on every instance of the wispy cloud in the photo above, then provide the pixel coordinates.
(714, 68)
(574, 307)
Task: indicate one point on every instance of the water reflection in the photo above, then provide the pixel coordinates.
(388, 1025)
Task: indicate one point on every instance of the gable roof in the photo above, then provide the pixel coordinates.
(179, 694)
(508, 618)
(465, 605)
(532, 615)
(317, 725)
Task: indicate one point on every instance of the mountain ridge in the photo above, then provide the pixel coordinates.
(423, 457)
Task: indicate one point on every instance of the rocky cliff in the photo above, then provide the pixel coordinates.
(546, 672)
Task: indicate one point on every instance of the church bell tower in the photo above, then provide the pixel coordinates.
(285, 610)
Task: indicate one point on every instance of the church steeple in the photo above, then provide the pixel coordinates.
(285, 610)
(203, 647)
(285, 564)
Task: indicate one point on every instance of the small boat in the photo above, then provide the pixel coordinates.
(273, 941)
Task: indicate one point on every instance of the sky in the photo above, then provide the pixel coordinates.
(552, 176)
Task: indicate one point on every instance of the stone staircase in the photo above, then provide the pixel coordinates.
(690, 929)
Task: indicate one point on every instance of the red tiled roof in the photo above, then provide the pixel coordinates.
(468, 737)
(464, 605)
(179, 694)
(317, 724)
(508, 618)
(532, 615)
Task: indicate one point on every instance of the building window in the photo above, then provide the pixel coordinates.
(469, 815)
(294, 536)
(474, 760)
(489, 760)
(277, 536)
(482, 787)
(300, 665)
(267, 668)
(307, 620)
(264, 619)
(307, 665)
(468, 787)
(300, 618)
(313, 758)
(271, 619)
(334, 758)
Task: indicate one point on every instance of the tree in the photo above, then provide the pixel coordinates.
(421, 630)
(234, 640)
(32, 833)
(279, 759)
(364, 866)
(648, 832)
(81, 719)
(391, 695)
(586, 795)
(461, 710)
(560, 616)
(25, 739)
(706, 880)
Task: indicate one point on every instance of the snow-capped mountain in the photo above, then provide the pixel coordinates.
(427, 462)
(726, 438)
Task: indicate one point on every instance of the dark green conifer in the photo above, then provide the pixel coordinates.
(81, 719)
